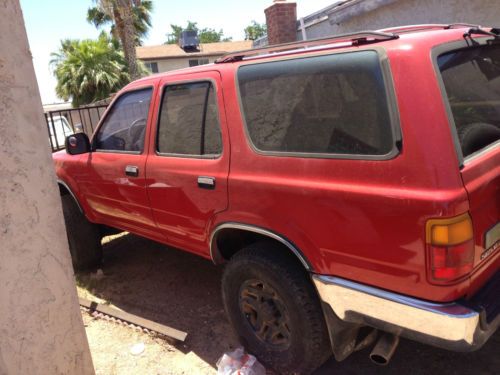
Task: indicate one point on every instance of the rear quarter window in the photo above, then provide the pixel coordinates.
(332, 104)
(471, 78)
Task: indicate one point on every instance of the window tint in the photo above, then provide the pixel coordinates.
(125, 125)
(472, 81)
(189, 122)
(328, 104)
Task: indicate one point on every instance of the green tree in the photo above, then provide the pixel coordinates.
(130, 21)
(255, 30)
(89, 70)
(205, 35)
(142, 20)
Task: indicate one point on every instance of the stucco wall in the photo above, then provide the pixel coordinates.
(179, 63)
(410, 12)
(41, 330)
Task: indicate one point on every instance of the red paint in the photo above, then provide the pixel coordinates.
(360, 220)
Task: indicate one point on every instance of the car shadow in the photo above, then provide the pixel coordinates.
(182, 291)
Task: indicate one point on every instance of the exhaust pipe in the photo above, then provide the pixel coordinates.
(384, 349)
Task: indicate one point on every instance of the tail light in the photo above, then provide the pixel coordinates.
(450, 247)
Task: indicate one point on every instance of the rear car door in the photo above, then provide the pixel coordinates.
(471, 79)
(115, 183)
(189, 159)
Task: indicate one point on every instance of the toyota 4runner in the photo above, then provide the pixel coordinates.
(351, 184)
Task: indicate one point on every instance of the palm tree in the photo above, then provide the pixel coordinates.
(142, 19)
(89, 70)
(130, 21)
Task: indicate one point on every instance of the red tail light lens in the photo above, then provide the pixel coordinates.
(450, 248)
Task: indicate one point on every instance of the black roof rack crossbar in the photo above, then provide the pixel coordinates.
(363, 37)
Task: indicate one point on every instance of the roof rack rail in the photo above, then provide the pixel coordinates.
(363, 37)
(410, 28)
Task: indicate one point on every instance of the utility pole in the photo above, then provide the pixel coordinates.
(41, 329)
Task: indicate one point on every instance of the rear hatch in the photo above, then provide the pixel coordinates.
(471, 80)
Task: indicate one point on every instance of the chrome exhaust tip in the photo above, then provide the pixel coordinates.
(384, 349)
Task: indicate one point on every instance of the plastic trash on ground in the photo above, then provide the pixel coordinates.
(238, 362)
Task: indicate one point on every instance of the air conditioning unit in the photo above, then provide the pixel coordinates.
(189, 41)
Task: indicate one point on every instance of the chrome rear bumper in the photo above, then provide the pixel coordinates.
(452, 326)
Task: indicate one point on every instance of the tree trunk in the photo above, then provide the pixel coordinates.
(125, 26)
(40, 322)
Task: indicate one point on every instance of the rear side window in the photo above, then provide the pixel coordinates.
(334, 104)
(472, 81)
(125, 125)
(189, 122)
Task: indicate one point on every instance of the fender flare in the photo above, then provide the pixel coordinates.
(217, 258)
(66, 186)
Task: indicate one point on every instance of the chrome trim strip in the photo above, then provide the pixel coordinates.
(410, 317)
(251, 228)
(61, 182)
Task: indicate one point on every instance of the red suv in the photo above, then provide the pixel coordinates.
(351, 184)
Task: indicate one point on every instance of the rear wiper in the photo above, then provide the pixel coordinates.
(495, 33)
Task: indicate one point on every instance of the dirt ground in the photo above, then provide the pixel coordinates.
(182, 291)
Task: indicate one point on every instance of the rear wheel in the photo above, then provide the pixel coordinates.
(274, 309)
(84, 237)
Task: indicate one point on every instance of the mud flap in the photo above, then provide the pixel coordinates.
(346, 338)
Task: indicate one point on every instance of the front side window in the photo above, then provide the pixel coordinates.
(471, 78)
(333, 104)
(124, 127)
(189, 121)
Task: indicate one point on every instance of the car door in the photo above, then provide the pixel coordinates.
(189, 159)
(114, 186)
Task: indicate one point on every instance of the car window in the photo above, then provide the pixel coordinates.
(189, 121)
(334, 104)
(471, 78)
(124, 127)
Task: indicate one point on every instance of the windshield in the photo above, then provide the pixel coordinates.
(471, 77)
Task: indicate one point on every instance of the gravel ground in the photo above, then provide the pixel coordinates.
(182, 291)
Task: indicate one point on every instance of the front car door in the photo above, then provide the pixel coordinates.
(189, 159)
(115, 184)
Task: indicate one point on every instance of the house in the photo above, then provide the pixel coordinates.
(358, 15)
(167, 57)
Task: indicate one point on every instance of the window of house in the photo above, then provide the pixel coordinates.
(332, 104)
(196, 62)
(125, 124)
(189, 121)
(151, 66)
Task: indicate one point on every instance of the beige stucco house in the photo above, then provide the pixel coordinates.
(167, 57)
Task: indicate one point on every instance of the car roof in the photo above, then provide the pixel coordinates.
(394, 37)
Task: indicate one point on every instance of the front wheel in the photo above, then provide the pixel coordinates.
(274, 309)
(84, 237)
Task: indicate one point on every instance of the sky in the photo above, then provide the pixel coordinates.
(49, 21)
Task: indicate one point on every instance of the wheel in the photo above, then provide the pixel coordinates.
(274, 309)
(84, 237)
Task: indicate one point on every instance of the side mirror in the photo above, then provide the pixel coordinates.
(77, 144)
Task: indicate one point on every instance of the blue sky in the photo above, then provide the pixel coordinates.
(49, 21)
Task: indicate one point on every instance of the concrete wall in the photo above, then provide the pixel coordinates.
(407, 12)
(41, 330)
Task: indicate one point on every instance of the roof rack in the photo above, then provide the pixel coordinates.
(410, 28)
(363, 37)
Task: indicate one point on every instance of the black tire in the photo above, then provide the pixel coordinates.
(84, 237)
(304, 346)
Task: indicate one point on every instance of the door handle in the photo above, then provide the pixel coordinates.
(132, 170)
(206, 182)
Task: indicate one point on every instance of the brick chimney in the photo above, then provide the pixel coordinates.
(281, 19)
